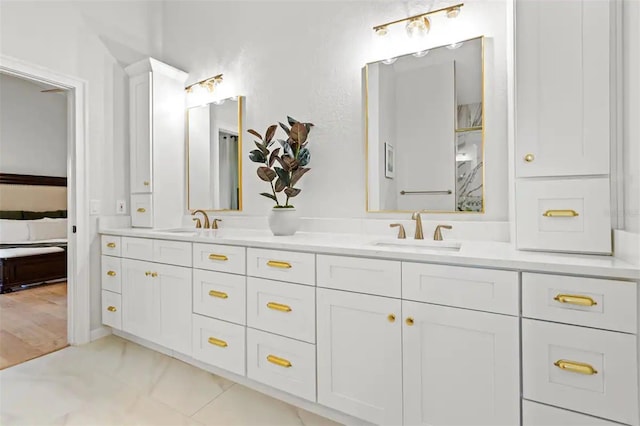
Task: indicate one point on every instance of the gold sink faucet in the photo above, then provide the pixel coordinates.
(416, 216)
(401, 234)
(206, 218)
(437, 235)
(214, 224)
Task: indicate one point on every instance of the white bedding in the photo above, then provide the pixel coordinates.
(27, 251)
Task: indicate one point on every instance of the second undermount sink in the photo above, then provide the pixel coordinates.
(182, 231)
(421, 244)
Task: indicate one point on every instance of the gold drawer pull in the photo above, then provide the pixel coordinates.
(217, 342)
(111, 273)
(111, 245)
(278, 264)
(409, 321)
(560, 213)
(218, 294)
(145, 183)
(141, 210)
(147, 273)
(574, 299)
(111, 309)
(279, 307)
(222, 257)
(154, 274)
(279, 361)
(529, 158)
(391, 318)
(575, 367)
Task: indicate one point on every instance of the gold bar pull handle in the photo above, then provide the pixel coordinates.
(279, 307)
(111, 309)
(279, 264)
(217, 342)
(141, 210)
(218, 294)
(221, 257)
(279, 361)
(575, 367)
(145, 183)
(154, 274)
(575, 299)
(111, 245)
(560, 213)
(111, 273)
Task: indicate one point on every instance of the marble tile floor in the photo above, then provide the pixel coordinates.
(116, 382)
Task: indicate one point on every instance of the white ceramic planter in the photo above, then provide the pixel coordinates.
(284, 221)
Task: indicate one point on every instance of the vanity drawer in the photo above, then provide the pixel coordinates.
(371, 276)
(112, 309)
(137, 248)
(110, 245)
(534, 414)
(111, 274)
(216, 257)
(219, 343)
(172, 252)
(600, 374)
(473, 288)
(219, 295)
(282, 363)
(282, 308)
(282, 265)
(564, 215)
(590, 302)
(141, 211)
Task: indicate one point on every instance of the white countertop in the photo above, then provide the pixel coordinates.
(487, 254)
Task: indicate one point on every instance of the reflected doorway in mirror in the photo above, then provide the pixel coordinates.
(389, 161)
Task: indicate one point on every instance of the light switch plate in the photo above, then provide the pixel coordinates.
(121, 207)
(95, 207)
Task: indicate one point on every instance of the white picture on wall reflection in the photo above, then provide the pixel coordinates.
(431, 106)
(389, 163)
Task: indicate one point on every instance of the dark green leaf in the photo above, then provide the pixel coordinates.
(298, 133)
(256, 134)
(292, 192)
(269, 134)
(257, 156)
(274, 155)
(262, 148)
(286, 148)
(285, 128)
(266, 194)
(308, 126)
(283, 175)
(295, 176)
(280, 186)
(291, 121)
(266, 174)
(304, 156)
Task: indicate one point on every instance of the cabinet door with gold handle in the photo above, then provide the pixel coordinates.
(279, 361)
(217, 342)
(574, 299)
(279, 264)
(575, 367)
(279, 307)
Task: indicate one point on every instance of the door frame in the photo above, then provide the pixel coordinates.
(78, 258)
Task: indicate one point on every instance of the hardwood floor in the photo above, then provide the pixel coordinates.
(33, 322)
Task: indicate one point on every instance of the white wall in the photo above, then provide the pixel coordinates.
(304, 59)
(33, 129)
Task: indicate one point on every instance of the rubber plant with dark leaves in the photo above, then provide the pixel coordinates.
(284, 165)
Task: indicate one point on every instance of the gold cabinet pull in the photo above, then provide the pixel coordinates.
(218, 294)
(279, 361)
(279, 264)
(409, 321)
(141, 210)
(147, 273)
(111, 273)
(222, 257)
(111, 245)
(575, 367)
(154, 274)
(391, 318)
(574, 299)
(111, 309)
(145, 183)
(279, 307)
(560, 213)
(217, 342)
(529, 158)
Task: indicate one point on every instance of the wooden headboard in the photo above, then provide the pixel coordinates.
(32, 193)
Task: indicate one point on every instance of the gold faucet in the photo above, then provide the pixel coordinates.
(401, 234)
(214, 224)
(437, 235)
(416, 216)
(206, 218)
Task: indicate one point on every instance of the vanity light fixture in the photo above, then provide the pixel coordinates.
(208, 83)
(419, 24)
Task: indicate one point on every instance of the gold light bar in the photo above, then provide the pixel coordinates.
(451, 11)
(208, 83)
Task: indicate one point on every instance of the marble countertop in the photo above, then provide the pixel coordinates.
(487, 254)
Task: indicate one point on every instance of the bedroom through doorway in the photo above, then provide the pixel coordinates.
(34, 127)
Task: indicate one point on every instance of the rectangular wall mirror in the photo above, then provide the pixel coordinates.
(425, 130)
(214, 167)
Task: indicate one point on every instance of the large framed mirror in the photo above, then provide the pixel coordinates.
(425, 130)
(214, 155)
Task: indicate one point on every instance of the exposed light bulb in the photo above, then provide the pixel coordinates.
(389, 61)
(219, 101)
(418, 26)
(382, 31)
(453, 12)
(454, 45)
(421, 54)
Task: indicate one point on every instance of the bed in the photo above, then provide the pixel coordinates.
(33, 224)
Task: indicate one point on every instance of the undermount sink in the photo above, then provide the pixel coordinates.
(421, 244)
(181, 231)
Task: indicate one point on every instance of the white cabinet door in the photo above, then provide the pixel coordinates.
(460, 367)
(174, 283)
(562, 93)
(140, 89)
(359, 349)
(140, 300)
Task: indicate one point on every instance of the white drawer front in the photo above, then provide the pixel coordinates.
(219, 295)
(600, 374)
(110, 245)
(172, 252)
(216, 257)
(564, 215)
(591, 302)
(474, 288)
(111, 274)
(137, 248)
(282, 308)
(112, 309)
(282, 363)
(534, 414)
(371, 276)
(141, 211)
(219, 343)
(282, 265)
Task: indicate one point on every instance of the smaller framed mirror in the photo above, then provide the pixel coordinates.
(214, 155)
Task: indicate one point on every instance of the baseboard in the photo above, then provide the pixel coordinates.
(99, 333)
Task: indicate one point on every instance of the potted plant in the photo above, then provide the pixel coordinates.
(282, 167)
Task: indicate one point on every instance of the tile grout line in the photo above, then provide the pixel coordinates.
(213, 399)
